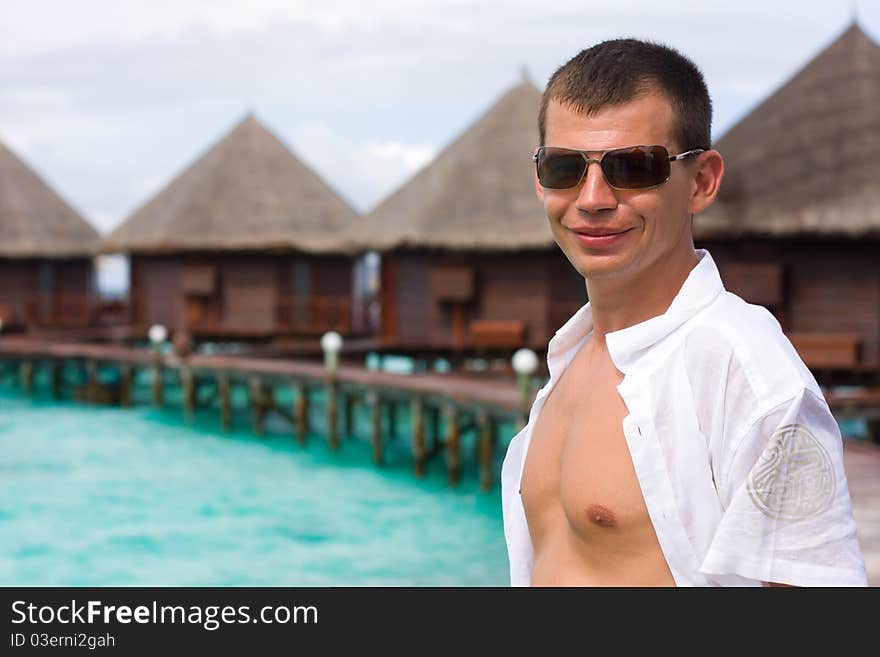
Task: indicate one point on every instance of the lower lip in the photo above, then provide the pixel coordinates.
(600, 242)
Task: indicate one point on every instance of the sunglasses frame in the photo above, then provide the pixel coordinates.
(583, 154)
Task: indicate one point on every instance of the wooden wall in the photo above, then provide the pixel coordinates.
(828, 286)
(238, 293)
(405, 286)
(567, 291)
(516, 286)
(426, 295)
(332, 275)
(18, 279)
(155, 290)
(27, 280)
(249, 293)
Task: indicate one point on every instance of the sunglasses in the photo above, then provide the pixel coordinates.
(634, 167)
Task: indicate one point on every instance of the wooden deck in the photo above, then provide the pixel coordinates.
(862, 464)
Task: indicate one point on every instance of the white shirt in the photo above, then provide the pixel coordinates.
(739, 459)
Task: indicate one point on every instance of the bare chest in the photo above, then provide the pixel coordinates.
(578, 475)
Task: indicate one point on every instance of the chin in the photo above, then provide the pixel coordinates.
(603, 266)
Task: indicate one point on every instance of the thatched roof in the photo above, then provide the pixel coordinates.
(477, 193)
(804, 161)
(34, 220)
(248, 192)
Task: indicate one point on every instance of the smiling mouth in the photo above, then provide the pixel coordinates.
(602, 234)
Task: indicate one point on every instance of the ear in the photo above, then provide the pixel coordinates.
(709, 169)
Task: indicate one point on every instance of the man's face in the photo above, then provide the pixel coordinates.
(655, 220)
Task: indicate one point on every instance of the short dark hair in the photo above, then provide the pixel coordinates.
(620, 70)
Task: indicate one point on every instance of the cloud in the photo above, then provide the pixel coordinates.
(363, 171)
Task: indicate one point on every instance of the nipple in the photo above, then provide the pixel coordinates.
(601, 516)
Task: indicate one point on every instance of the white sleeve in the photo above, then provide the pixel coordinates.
(787, 511)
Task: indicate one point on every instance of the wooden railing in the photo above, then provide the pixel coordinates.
(60, 309)
(73, 309)
(314, 314)
(307, 315)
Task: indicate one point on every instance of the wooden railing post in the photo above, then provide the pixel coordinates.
(418, 435)
(375, 403)
(92, 381)
(224, 393)
(261, 401)
(453, 457)
(158, 382)
(26, 376)
(126, 376)
(302, 412)
(332, 432)
(187, 381)
(57, 378)
(486, 450)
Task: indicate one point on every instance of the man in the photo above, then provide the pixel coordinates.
(680, 439)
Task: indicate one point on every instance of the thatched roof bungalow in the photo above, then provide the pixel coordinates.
(246, 241)
(46, 249)
(796, 226)
(468, 258)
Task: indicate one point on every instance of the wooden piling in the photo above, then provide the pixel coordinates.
(261, 400)
(453, 457)
(187, 382)
(26, 376)
(57, 378)
(223, 392)
(330, 388)
(126, 377)
(92, 382)
(434, 416)
(486, 449)
(391, 406)
(301, 411)
(375, 403)
(418, 435)
(158, 384)
(348, 401)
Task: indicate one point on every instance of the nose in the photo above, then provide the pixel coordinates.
(595, 194)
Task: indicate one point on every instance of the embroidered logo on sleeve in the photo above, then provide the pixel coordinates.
(794, 478)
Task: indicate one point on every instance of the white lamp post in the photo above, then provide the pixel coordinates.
(524, 362)
(331, 343)
(157, 334)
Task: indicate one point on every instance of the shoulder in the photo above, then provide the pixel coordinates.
(732, 336)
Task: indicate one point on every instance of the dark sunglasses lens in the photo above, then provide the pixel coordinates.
(636, 168)
(559, 168)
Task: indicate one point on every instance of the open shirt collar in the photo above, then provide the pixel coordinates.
(627, 345)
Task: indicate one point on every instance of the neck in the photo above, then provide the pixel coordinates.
(618, 303)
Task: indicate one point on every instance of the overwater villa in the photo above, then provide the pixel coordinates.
(796, 227)
(46, 249)
(247, 242)
(468, 261)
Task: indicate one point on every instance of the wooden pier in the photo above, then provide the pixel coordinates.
(444, 406)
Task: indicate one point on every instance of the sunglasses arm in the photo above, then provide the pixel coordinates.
(680, 156)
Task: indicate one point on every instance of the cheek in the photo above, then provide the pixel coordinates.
(555, 206)
(648, 209)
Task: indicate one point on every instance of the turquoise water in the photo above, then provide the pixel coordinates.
(110, 496)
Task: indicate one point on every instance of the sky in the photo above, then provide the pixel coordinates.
(108, 100)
